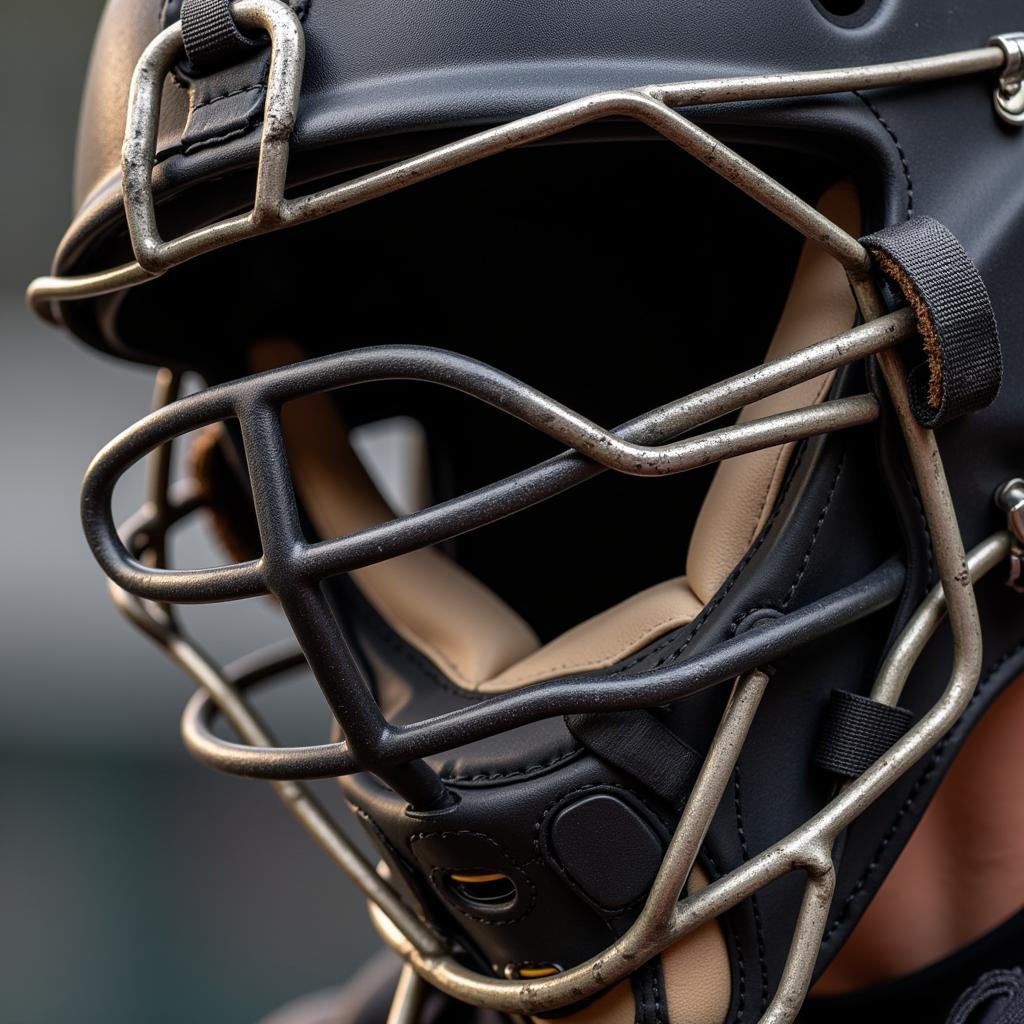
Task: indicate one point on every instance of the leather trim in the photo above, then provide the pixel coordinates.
(434, 604)
(696, 977)
(745, 489)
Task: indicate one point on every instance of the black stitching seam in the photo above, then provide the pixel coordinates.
(656, 987)
(755, 906)
(640, 999)
(730, 582)
(737, 945)
(822, 516)
(439, 886)
(912, 796)
(513, 772)
(648, 976)
(226, 95)
(639, 1002)
(390, 847)
(899, 149)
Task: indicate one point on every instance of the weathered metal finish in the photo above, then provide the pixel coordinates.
(651, 105)
(1009, 93)
(1010, 498)
(566, 695)
(902, 656)
(410, 992)
(226, 687)
(444, 521)
(649, 445)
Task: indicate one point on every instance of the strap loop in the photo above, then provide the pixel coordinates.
(963, 367)
(995, 998)
(856, 732)
(642, 746)
(211, 37)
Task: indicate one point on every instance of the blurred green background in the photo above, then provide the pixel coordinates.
(136, 885)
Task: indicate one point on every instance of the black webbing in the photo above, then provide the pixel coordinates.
(963, 365)
(996, 998)
(856, 732)
(641, 746)
(211, 37)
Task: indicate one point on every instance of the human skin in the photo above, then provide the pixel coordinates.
(961, 874)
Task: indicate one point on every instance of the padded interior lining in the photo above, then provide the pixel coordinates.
(462, 625)
(743, 492)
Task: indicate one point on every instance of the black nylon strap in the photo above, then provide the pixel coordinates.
(963, 367)
(996, 998)
(211, 37)
(856, 732)
(638, 744)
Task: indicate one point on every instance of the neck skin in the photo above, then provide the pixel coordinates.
(961, 874)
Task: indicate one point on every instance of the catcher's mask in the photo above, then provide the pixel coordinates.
(701, 785)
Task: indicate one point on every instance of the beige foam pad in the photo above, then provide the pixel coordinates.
(743, 492)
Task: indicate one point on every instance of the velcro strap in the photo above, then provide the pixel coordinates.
(211, 37)
(644, 748)
(995, 998)
(856, 732)
(963, 365)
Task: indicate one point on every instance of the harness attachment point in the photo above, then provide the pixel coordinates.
(856, 732)
(963, 366)
(1009, 93)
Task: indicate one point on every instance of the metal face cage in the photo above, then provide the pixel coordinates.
(658, 442)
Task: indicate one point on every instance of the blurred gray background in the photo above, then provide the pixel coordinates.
(136, 885)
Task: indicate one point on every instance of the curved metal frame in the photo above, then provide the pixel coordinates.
(651, 105)
(292, 568)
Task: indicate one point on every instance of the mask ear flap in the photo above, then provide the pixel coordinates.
(743, 492)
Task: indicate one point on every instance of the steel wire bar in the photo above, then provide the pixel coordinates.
(486, 505)
(643, 446)
(549, 698)
(651, 105)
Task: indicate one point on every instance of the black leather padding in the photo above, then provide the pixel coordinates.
(963, 368)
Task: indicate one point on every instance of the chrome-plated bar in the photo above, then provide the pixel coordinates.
(407, 1002)
(652, 105)
(704, 798)
(457, 516)
(903, 655)
(665, 917)
(295, 796)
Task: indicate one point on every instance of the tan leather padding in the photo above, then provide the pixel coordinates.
(438, 607)
(743, 492)
(698, 984)
(483, 645)
(606, 638)
(432, 602)
(466, 629)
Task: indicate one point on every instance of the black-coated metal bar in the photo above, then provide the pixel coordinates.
(589, 692)
(446, 519)
(334, 665)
